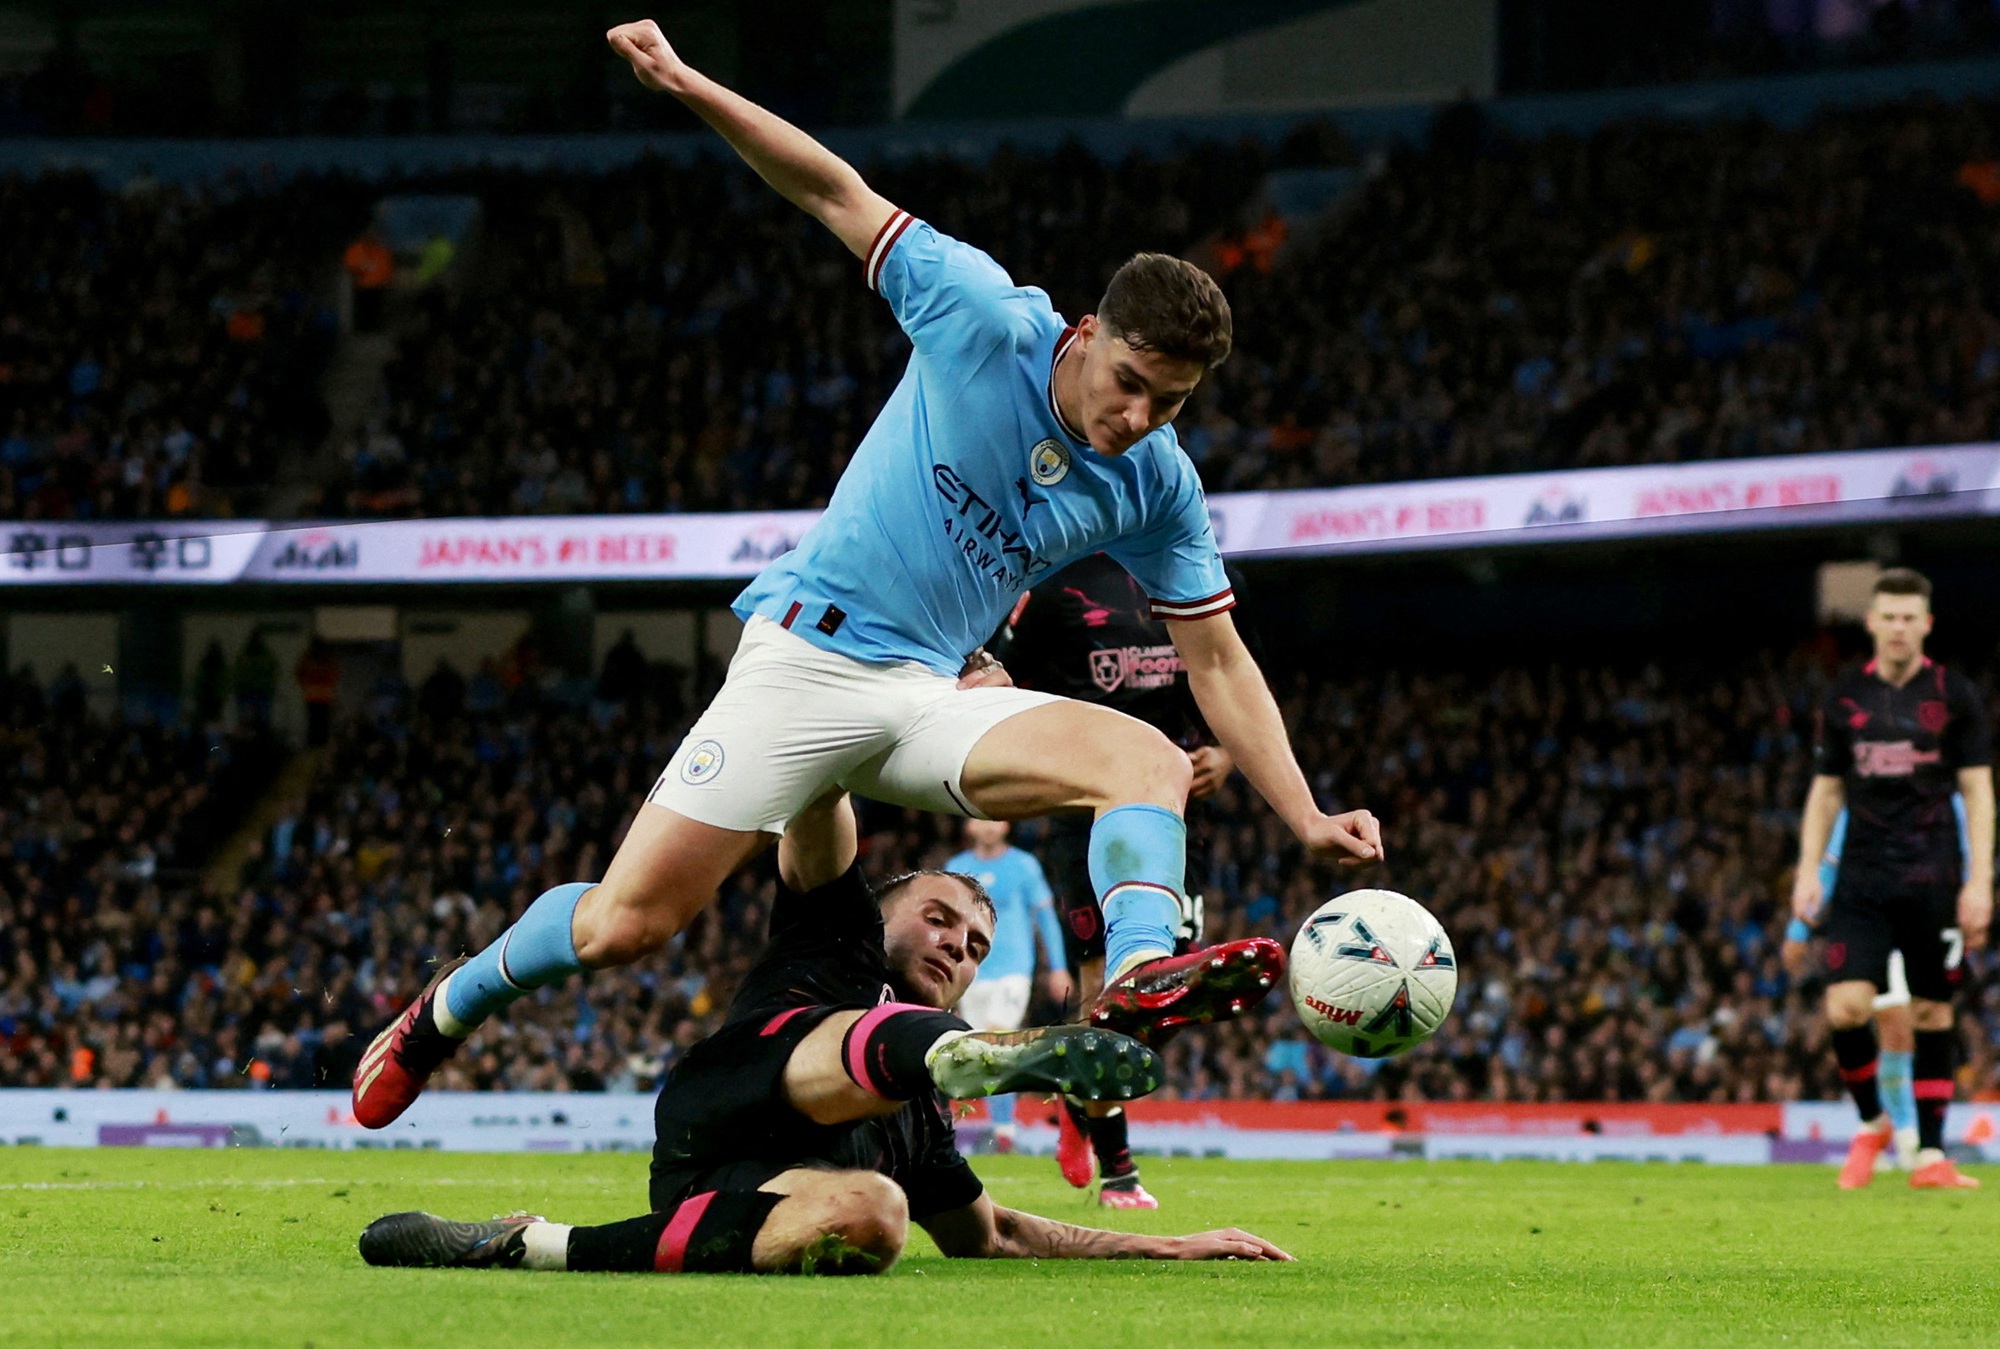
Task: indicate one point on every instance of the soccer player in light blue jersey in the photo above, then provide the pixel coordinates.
(1014, 443)
(1024, 913)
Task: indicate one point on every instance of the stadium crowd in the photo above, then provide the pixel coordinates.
(1608, 847)
(676, 338)
(667, 340)
(160, 347)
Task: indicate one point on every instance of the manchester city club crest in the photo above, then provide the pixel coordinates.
(1048, 462)
(703, 762)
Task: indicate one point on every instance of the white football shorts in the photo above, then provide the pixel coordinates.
(1898, 992)
(999, 1003)
(792, 721)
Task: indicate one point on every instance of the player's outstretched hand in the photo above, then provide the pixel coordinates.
(1352, 838)
(1231, 1243)
(653, 58)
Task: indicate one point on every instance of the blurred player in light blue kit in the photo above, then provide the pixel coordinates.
(1025, 912)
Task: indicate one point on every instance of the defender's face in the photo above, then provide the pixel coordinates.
(935, 935)
(1899, 624)
(1126, 394)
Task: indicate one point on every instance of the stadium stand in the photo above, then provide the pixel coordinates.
(160, 347)
(662, 338)
(1608, 845)
(1656, 292)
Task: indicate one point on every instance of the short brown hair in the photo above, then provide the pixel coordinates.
(1903, 581)
(895, 885)
(1159, 303)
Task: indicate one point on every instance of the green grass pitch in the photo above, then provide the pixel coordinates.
(146, 1248)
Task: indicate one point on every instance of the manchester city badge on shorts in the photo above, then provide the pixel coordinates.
(1048, 462)
(703, 762)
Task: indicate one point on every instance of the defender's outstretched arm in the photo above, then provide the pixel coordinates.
(983, 1230)
(804, 172)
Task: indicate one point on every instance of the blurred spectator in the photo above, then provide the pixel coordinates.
(160, 348)
(318, 673)
(370, 268)
(255, 679)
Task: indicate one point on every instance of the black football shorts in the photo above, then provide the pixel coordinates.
(1867, 919)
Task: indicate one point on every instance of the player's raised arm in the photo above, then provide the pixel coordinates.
(804, 172)
(983, 1230)
(1239, 708)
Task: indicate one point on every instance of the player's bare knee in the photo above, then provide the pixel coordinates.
(1149, 769)
(864, 1220)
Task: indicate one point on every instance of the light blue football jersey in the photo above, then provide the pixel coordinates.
(1023, 906)
(969, 487)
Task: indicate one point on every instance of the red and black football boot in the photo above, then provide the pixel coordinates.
(391, 1075)
(1073, 1155)
(1214, 984)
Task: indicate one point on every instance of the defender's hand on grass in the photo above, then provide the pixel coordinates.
(653, 58)
(1230, 1243)
(1352, 838)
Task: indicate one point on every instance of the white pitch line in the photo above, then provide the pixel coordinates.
(233, 1182)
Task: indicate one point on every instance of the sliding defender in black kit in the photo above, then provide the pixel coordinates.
(809, 1131)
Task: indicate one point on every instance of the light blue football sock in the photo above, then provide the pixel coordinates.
(537, 950)
(1138, 864)
(1897, 1081)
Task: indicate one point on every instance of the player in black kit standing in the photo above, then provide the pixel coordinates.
(1087, 633)
(1898, 738)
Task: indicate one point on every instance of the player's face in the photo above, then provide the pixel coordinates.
(935, 934)
(1899, 624)
(1126, 394)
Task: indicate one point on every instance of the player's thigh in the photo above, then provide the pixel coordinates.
(786, 724)
(832, 1221)
(816, 1082)
(924, 766)
(1858, 937)
(666, 870)
(1067, 755)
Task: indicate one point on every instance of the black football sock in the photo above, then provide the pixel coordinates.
(884, 1051)
(1856, 1052)
(618, 1248)
(1931, 1083)
(710, 1233)
(1112, 1142)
